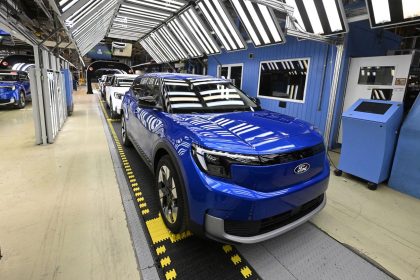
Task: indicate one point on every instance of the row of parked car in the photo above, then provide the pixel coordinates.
(224, 167)
(15, 89)
(112, 89)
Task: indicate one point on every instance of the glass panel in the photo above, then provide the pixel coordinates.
(378, 75)
(284, 79)
(224, 72)
(236, 75)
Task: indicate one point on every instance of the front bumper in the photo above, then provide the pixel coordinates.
(5, 102)
(215, 227)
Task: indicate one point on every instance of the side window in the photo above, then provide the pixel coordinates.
(154, 89)
(138, 88)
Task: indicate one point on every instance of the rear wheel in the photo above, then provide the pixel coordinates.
(114, 114)
(126, 141)
(21, 103)
(171, 198)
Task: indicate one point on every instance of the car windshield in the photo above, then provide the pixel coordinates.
(124, 82)
(8, 77)
(205, 96)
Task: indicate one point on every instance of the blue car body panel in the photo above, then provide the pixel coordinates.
(252, 192)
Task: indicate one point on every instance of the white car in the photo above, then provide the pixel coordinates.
(114, 93)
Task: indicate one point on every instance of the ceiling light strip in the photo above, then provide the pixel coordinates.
(199, 31)
(184, 38)
(172, 41)
(222, 24)
(259, 22)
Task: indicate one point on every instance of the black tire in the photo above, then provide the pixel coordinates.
(126, 141)
(175, 219)
(21, 103)
(114, 114)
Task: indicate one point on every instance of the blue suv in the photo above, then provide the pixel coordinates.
(224, 167)
(15, 88)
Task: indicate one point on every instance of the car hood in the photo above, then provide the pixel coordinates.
(119, 89)
(260, 132)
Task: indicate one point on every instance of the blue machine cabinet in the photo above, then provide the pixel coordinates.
(370, 131)
(405, 175)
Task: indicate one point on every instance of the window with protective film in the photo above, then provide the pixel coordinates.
(284, 79)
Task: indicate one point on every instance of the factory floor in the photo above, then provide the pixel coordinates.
(61, 215)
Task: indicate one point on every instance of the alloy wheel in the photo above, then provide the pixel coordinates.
(168, 196)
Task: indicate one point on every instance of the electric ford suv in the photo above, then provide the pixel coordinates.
(224, 167)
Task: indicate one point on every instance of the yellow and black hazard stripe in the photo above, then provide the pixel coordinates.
(179, 256)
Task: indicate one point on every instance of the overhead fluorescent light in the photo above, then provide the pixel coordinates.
(201, 34)
(320, 17)
(184, 37)
(216, 15)
(393, 12)
(173, 42)
(259, 22)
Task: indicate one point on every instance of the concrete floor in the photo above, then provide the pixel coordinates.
(61, 215)
(384, 224)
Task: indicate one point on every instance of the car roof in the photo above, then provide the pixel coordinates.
(183, 77)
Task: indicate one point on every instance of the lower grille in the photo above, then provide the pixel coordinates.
(252, 228)
(4, 101)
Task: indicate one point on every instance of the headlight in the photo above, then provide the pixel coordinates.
(217, 163)
(118, 95)
(13, 88)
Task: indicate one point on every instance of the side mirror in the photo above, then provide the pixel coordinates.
(147, 102)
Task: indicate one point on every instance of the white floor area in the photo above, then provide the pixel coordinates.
(61, 215)
(384, 224)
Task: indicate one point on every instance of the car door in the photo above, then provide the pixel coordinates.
(131, 108)
(148, 122)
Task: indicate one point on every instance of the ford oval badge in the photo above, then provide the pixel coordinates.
(302, 168)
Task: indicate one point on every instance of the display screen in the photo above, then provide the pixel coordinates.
(376, 75)
(373, 108)
(393, 12)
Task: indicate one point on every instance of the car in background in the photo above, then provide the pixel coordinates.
(106, 80)
(114, 92)
(15, 89)
(224, 167)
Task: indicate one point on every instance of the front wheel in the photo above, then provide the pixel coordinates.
(126, 141)
(21, 103)
(114, 114)
(171, 198)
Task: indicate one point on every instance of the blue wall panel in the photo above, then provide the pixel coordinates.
(318, 53)
(361, 41)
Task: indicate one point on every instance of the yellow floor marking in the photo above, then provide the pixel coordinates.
(170, 275)
(142, 205)
(159, 232)
(136, 189)
(133, 180)
(145, 211)
(128, 169)
(137, 194)
(246, 272)
(236, 259)
(141, 199)
(134, 185)
(160, 250)
(130, 176)
(129, 172)
(165, 261)
(227, 248)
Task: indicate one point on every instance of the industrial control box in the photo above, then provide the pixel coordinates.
(370, 132)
